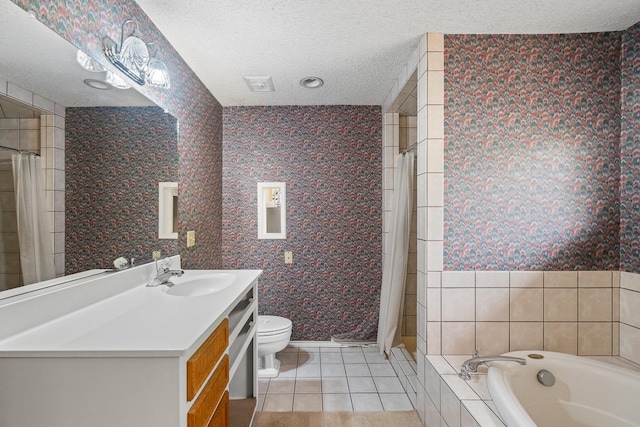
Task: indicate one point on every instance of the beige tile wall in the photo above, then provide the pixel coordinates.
(53, 153)
(629, 312)
(496, 312)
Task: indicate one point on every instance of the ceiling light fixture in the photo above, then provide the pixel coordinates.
(311, 82)
(88, 63)
(133, 59)
(97, 84)
(116, 81)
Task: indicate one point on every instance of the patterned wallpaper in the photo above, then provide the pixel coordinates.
(84, 23)
(115, 158)
(532, 167)
(330, 159)
(630, 152)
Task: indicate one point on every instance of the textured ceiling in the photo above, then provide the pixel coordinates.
(357, 46)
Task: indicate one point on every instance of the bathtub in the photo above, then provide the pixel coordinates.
(586, 393)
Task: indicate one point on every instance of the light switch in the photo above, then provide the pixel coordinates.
(288, 257)
(191, 238)
(157, 254)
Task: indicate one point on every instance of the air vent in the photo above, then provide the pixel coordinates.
(259, 83)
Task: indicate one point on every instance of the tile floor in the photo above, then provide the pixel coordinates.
(333, 379)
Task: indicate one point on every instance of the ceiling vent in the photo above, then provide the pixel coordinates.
(259, 83)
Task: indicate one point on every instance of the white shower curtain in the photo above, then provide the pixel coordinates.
(36, 255)
(394, 270)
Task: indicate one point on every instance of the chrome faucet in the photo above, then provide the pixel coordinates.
(163, 274)
(471, 365)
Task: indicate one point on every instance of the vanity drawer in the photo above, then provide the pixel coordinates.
(204, 359)
(221, 417)
(204, 406)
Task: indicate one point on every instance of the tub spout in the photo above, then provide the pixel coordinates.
(471, 365)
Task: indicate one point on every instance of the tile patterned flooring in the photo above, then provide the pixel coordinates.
(333, 379)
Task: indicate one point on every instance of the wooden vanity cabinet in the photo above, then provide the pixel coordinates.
(222, 372)
(200, 365)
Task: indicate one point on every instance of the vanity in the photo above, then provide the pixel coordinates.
(105, 350)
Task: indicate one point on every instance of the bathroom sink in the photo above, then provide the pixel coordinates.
(199, 284)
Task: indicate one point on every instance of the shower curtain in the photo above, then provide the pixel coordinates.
(36, 255)
(394, 269)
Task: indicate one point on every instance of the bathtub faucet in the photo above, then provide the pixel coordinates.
(471, 365)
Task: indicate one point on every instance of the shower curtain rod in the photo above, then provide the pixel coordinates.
(4, 147)
(409, 148)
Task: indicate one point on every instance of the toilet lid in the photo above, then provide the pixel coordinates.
(272, 324)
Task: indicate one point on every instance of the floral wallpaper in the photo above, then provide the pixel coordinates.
(630, 152)
(84, 23)
(532, 152)
(114, 159)
(330, 159)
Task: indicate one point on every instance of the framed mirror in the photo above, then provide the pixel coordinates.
(272, 210)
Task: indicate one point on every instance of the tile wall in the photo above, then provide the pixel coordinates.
(499, 311)
(630, 316)
(46, 136)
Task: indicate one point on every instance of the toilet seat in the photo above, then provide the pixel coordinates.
(273, 325)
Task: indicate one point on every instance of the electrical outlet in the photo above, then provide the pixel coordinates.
(191, 238)
(157, 254)
(288, 257)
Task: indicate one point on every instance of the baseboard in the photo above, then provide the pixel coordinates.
(333, 344)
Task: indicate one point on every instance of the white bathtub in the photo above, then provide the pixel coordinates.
(587, 393)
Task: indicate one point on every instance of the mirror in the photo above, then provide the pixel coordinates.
(98, 206)
(272, 210)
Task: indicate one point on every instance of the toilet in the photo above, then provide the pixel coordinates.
(274, 334)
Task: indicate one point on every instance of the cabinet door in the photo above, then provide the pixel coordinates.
(204, 359)
(206, 403)
(221, 416)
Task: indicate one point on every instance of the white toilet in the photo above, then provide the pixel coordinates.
(274, 334)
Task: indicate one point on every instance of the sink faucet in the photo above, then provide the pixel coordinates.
(163, 274)
(471, 365)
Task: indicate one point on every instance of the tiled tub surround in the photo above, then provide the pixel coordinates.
(499, 311)
(333, 379)
(448, 401)
(406, 370)
(630, 316)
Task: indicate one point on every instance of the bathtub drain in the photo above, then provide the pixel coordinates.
(546, 378)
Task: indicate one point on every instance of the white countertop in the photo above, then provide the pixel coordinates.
(140, 322)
